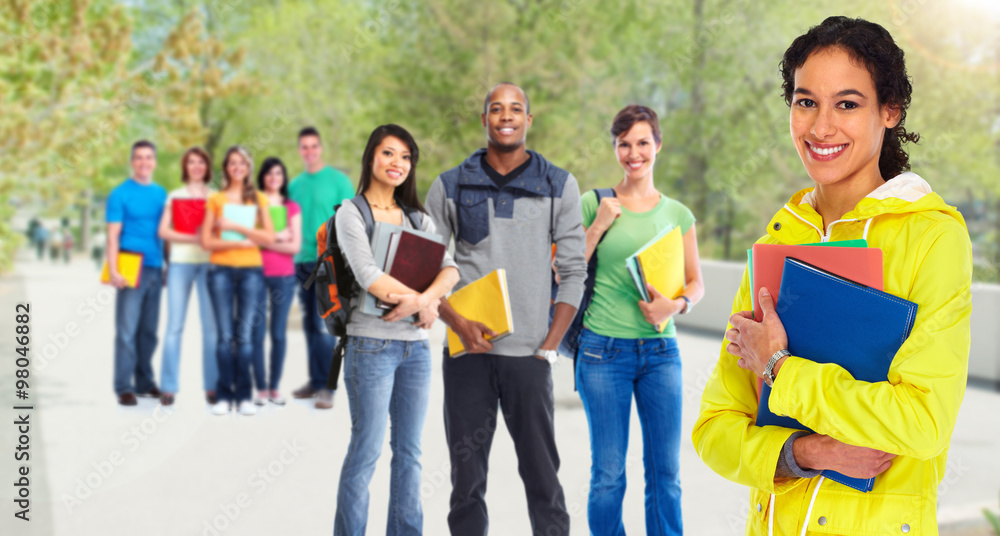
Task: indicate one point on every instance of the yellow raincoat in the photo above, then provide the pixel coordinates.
(927, 260)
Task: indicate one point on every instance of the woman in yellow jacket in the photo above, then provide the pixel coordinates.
(846, 84)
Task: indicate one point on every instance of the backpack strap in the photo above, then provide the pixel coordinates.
(365, 209)
(601, 193)
(416, 217)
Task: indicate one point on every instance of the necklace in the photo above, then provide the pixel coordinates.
(386, 207)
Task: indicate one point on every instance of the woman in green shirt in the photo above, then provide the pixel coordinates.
(621, 354)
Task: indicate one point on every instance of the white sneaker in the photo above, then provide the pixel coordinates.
(220, 408)
(261, 399)
(247, 408)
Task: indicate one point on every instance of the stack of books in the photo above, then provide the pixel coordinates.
(833, 309)
(410, 256)
(661, 264)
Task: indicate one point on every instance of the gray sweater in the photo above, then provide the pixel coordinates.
(514, 228)
(357, 250)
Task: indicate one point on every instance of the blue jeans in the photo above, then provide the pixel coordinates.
(238, 290)
(137, 315)
(279, 294)
(609, 372)
(384, 379)
(319, 343)
(180, 277)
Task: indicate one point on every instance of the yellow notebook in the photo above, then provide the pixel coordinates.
(484, 300)
(661, 264)
(129, 265)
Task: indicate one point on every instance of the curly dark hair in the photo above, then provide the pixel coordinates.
(872, 46)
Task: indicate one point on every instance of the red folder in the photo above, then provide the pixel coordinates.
(187, 214)
(861, 265)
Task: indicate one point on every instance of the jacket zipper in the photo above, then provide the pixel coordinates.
(824, 237)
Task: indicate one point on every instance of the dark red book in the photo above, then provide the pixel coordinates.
(187, 214)
(414, 260)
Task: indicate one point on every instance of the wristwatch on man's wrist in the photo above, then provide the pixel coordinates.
(768, 373)
(549, 355)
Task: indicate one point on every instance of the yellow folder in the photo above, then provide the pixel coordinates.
(129, 266)
(662, 265)
(484, 300)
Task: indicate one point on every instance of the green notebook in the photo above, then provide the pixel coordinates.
(279, 217)
(857, 243)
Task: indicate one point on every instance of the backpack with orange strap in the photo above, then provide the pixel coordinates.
(335, 283)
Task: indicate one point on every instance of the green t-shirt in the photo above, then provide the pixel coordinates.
(317, 194)
(614, 310)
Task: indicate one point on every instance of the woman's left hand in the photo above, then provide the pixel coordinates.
(755, 342)
(406, 305)
(661, 308)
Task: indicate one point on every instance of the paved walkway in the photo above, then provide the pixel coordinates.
(101, 469)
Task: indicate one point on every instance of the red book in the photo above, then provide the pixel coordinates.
(187, 214)
(414, 261)
(861, 265)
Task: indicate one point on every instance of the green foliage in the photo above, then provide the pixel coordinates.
(994, 521)
(84, 78)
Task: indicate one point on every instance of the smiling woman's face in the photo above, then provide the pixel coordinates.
(391, 163)
(837, 124)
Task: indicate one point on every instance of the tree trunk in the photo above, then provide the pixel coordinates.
(86, 207)
(693, 181)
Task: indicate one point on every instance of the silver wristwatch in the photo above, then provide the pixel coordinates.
(768, 374)
(687, 304)
(549, 355)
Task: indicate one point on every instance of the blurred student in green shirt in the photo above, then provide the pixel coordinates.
(317, 190)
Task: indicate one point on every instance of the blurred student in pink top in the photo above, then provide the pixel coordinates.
(279, 280)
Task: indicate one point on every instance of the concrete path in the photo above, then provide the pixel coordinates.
(97, 468)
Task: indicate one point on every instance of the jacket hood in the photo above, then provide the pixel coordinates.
(906, 193)
(472, 166)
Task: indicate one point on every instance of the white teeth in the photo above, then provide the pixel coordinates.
(506, 130)
(825, 152)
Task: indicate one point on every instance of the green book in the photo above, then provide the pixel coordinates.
(279, 217)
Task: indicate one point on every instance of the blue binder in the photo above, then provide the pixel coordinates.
(829, 319)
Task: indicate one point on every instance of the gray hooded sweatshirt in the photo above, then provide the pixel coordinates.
(514, 228)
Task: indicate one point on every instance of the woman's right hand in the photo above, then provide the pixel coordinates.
(821, 452)
(609, 210)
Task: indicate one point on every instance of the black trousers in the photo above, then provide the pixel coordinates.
(475, 385)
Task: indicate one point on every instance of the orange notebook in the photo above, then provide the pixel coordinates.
(129, 265)
(861, 265)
